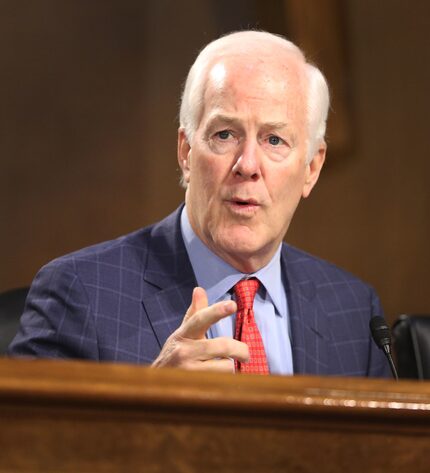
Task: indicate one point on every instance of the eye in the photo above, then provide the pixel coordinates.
(275, 140)
(223, 141)
(223, 135)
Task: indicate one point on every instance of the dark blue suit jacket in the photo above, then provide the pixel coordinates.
(121, 299)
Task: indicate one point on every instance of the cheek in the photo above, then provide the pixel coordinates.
(208, 172)
(286, 191)
(203, 181)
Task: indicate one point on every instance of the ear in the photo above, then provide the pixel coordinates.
(313, 170)
(184, 151)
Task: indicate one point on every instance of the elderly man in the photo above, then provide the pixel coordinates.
(212, 286)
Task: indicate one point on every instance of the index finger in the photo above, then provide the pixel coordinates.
(197, 325)
(199, 301)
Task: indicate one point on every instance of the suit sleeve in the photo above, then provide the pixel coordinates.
(58, 319)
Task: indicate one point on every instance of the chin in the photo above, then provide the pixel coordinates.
(238, 243)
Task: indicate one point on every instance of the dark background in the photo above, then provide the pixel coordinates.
(89, 93)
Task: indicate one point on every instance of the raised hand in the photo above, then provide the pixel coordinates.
(188, 346)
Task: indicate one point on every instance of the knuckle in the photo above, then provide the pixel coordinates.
(177, 350)
(180, 354)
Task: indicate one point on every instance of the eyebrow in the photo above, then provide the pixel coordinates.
(228, 120)
(224, 119)
(275, 125)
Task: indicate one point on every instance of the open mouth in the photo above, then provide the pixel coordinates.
(244, 205)
(244, 202)
(241, 202)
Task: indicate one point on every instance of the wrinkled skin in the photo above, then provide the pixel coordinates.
(246, 169)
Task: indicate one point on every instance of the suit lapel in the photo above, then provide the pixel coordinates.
(171, 278)
(309, 325)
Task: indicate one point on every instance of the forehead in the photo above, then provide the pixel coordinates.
(262, 86)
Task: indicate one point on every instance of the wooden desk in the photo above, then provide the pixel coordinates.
(84, 417)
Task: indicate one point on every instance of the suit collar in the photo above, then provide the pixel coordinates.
(309, 324)
(168, 270)
(167, 261)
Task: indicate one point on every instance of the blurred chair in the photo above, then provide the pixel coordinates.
(411, 336)
(11, 307)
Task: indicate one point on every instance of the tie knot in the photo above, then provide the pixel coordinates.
(245, 291)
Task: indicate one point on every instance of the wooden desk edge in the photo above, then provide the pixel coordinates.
(104, 384)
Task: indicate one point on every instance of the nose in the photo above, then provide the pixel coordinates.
(248, 162)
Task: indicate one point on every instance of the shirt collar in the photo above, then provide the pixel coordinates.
(217, 277)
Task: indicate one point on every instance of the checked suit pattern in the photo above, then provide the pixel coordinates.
(120, 301)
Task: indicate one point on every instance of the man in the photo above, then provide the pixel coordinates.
(250, 146)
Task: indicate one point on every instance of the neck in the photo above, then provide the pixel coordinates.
(246, 264)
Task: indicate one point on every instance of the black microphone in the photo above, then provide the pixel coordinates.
(381, 336)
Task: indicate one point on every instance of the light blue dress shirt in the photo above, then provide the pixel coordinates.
(270, 305)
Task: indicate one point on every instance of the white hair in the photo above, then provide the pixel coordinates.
(254, 43)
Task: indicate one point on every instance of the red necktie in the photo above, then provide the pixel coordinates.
(246, 328)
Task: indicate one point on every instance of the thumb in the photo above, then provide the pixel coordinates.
(199, 301)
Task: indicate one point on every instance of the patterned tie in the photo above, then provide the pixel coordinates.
(246, 328)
